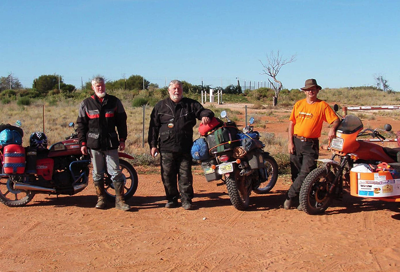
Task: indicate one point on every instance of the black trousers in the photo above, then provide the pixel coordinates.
(302, 162)
(176, 169)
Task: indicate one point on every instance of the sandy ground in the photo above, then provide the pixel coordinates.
(68, 234)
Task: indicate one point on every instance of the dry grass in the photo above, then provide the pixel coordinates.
(54, 120)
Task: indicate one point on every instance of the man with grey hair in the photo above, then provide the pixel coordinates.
(98, 117)
(171, 134)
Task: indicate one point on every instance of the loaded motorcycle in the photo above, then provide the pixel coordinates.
(237, 158)
(368, 169)
(59, 170)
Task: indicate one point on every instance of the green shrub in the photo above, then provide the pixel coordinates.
(284, 92)
(52, 101)
(283, 161)
(146, 159)
(139, 101)
(29, 93)
(24, 101)
(8, 93)
(152, 101)
(6, 101)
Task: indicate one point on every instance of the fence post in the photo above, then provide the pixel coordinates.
(144, 112)
(245, 113)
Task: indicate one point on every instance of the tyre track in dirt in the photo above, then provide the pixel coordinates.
(230, 222)
(68, 234)
(218, 240)
(7, 243)
(380, 245)
(369, 225)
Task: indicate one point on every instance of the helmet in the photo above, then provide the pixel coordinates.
(38, 140)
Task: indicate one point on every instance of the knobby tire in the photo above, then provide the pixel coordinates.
(240, 200)
(271, 169)
(314, 196)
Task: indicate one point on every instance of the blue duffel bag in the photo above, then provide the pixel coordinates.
(200, 150)
(10, 136)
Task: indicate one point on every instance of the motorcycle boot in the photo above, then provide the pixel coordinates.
(101, 195)
(287, 204)
(119, 197)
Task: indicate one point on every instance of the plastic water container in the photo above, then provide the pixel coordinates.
(14, 159)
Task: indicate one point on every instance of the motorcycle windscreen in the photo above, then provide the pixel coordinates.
(350, 124)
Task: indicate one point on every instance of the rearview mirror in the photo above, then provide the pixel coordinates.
(251, 121)
(223, 114)
(335, 107)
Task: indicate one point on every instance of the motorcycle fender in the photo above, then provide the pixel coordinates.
(328, 162)
(125, 155)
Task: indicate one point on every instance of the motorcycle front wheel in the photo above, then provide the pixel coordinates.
(238, 192)
(130, 181)
(314, 193)
(11, 197)
(271, 172)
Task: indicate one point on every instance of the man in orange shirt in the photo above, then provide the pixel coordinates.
(305, 127)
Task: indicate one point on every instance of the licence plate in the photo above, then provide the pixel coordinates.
(208, 170)
(224, 168)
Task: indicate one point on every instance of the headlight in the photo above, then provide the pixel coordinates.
(337, 143)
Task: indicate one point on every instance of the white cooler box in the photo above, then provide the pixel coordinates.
(365, 183)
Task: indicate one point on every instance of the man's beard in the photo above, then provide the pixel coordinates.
(101, 95)
(177, 97)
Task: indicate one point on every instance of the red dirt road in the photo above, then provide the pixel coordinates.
(68, 234)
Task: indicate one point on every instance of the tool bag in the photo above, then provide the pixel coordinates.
(223, 139)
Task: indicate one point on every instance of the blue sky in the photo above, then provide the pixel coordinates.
(341, 43)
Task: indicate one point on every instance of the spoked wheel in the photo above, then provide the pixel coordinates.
(314, 194)
(238, 192)
(271, 172)
(130, 181)
(11, 197)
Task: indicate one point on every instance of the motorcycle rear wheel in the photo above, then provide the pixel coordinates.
(314, 193)
(238, 193)
(271, 172)
(130, 181)
(11, 197)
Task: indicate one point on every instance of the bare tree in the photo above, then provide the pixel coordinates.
(382, 84)
(275, 63)
(9, 82)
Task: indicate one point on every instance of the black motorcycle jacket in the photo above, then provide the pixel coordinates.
(171, 124)
(97, 121)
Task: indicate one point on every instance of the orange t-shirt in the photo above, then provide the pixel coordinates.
(308, 118)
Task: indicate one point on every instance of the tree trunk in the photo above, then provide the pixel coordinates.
(275, 101)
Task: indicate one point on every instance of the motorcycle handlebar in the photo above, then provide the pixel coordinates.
(72, 136)
(373, 133)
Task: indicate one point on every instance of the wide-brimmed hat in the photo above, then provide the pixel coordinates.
(311, 83)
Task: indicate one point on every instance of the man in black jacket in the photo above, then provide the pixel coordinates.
(99, 115)
(171, 133)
